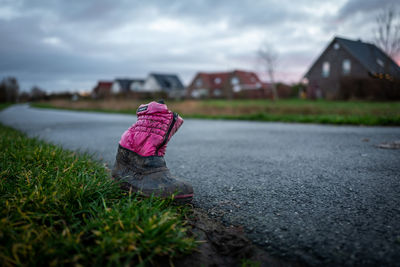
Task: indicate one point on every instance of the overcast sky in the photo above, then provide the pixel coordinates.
(70, 45)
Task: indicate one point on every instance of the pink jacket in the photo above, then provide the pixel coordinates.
(153, 129)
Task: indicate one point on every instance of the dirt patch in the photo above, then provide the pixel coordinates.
(224, 246)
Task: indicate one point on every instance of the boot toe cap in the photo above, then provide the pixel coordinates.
(184, 191)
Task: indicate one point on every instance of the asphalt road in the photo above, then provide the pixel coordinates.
(322, 194)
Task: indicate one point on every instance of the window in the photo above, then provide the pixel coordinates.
(217, 92)
(234, 81)
(336, 46)
(325, 69)
(217, 80)
(237, 88)
(199, 82)
(346, 66)
(199, 93)
(380, 62)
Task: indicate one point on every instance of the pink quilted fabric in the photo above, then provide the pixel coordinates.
(153, 129)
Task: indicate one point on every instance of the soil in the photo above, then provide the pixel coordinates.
(224, 246)
(221, 245)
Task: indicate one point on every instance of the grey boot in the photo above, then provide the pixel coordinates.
(140, 164)
(148, 175)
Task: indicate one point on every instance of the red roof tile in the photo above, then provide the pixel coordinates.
(105, 85)
(246, 78)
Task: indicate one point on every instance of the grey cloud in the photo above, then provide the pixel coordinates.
(353, 7)
(239, 13)
(87, 49)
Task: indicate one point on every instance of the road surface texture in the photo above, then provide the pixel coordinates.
(324, 195)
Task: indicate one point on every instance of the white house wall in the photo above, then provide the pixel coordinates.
(116, 88)
(151, 85)
(137, 87)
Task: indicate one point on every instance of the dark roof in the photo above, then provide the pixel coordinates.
(168, 81)
(368, 55)
(138, 80)
(125, 84)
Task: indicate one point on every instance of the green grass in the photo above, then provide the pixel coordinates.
(284, 110)
(307, 111)
(4, 105)
(60, 208)
(50, 106)
(250, 263)
(313, 106)
(321, 119)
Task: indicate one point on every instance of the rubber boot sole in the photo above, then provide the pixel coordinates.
(181, 199)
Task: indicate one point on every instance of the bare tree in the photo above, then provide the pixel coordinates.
(9, 89)
(387, 31)
(269, 59)
(37, 93)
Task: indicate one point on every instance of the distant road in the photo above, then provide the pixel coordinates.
(322, 194)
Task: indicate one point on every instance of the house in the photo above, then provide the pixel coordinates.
(137, 84)
(127, 85)
(102, 89)
(233, 84)
(344, 58)
(121, 86)
(167, 83)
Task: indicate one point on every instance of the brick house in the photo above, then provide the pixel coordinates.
(344, 58)
(102, 89)
(234, 84)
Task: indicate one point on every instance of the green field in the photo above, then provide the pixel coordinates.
(285, 110)
(60, 208)
(310, 105)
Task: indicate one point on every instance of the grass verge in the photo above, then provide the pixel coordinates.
(286, 110)
(4, 105)
(305, 118)
(59, 208)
